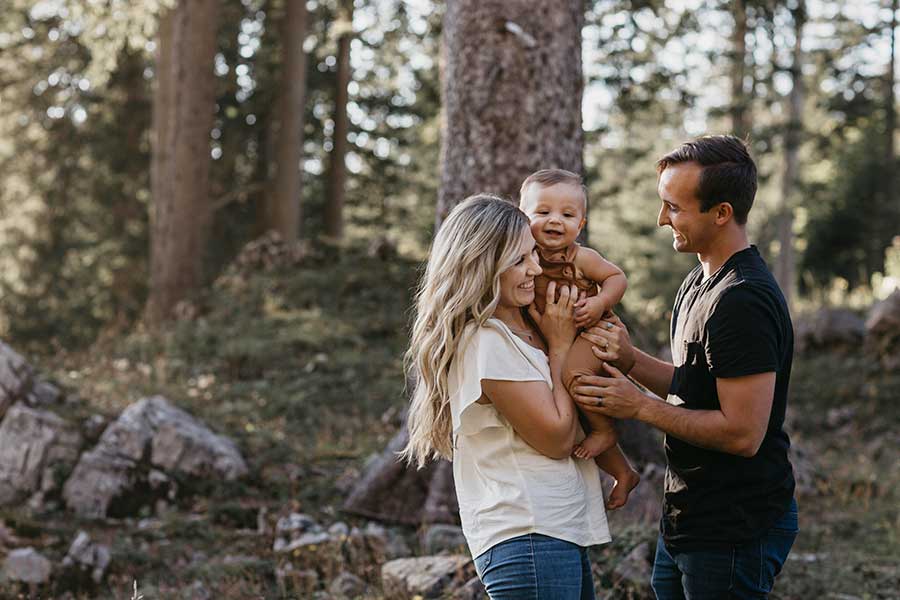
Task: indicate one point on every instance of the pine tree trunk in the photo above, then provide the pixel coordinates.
(891, 117)
(282, 211)
(739, 100)
(511, 92)
(185, 99)
(337, 179)
(785, 265)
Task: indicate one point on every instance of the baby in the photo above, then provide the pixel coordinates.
(556, 203)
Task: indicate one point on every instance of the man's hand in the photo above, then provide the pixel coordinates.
(589, 311)
(611, 342)
(614, 396)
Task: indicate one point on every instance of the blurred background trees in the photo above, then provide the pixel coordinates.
(142, 145)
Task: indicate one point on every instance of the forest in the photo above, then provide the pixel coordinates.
(213, 215)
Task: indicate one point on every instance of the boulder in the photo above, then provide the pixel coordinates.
(426, 576)
(473, 589)
(43, 393)
(296, 530)
(27, 565)
(347, 585)
(440, 538)
(15, 377)
(149, 434)
(37, 451)
(87, 557)
(883, 330)
(829, 329)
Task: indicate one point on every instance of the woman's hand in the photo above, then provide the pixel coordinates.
(611, 342)
(557, 324)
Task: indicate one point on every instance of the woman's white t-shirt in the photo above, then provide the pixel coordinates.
(505, 487)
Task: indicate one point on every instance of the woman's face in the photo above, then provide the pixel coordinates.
(517, 282)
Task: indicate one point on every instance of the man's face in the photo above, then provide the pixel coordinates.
(692, 230)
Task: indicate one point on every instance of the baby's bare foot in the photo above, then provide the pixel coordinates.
(624, 484)
(595, 443)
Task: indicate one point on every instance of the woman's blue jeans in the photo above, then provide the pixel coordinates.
(536, 567)
(746, 571)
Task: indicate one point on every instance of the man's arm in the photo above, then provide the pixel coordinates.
(737, 428)
(652, 373)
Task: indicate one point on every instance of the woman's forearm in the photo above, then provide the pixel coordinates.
(564, 404)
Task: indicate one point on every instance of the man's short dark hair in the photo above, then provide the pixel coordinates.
(728, 175)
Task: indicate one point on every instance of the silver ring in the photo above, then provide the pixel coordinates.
(608, 325)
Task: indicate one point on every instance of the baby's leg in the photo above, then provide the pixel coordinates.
(614, 462)
(601, 435)
(580, 361)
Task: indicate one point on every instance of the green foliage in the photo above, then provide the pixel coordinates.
(851, 221)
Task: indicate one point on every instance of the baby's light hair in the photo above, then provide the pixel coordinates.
(549, 177)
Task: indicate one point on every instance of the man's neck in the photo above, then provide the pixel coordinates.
(721, 249)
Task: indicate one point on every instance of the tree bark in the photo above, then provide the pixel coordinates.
(739, 101)
(891, 115)
(181, 204)
(282, 211)
(337, 180)
(511, 92)
(785, 264)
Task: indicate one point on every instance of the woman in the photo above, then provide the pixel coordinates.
(489, 395)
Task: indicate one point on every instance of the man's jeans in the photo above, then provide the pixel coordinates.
(742, 572)
(536, 567)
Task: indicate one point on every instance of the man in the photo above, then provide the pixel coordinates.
(729, 516)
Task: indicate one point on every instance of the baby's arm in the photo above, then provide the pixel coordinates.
(611, 280)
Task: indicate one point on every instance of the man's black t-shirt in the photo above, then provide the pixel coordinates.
(732, 324)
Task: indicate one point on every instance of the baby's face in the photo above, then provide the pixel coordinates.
(556, 214)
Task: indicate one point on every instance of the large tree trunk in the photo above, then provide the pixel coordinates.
(890, 182)
(337, 178)
(739, 101)
(784, 266)
(186, 100)
(511, 95)
(282, 211)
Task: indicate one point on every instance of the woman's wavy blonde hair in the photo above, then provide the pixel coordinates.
(478, 241)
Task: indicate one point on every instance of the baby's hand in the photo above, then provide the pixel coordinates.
(588, 311)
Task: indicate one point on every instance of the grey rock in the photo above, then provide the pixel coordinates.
(86, 555)
(37, 450)
(339, 529)
(347, 585)
(296, 530)
(829, 328)
(43, 393)
(15, 377)
(634, 570)
(27, 565)
(307, 539)
(883, 330)
(473, 589)
(391, 542)
(149, 433)
(426, 576)
(93, 427)
(442, 538)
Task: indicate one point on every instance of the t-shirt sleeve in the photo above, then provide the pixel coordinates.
(742, 335)
(488, 354)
